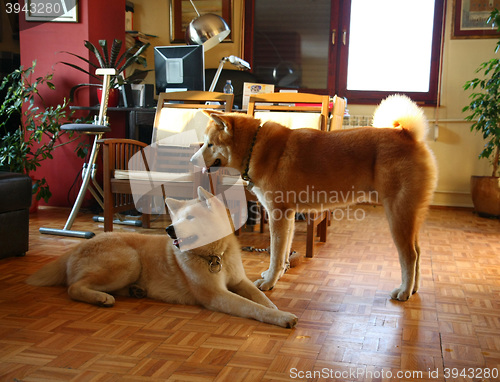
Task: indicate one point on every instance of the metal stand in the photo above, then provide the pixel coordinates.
(131, 222)
(89, 169)
(236, 61)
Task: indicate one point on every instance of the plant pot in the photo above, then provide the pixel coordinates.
(113, 99)
(485, 192)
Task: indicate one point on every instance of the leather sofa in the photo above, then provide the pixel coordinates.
(15, 201)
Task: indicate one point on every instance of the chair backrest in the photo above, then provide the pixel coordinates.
(179, 125)
(178, 112)
(337, 117)
(294, 110)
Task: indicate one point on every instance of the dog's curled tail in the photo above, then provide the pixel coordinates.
(399, 111)
(53, 273)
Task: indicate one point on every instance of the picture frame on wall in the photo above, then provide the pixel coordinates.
(470, 19)
(52, 10)
(182, 13)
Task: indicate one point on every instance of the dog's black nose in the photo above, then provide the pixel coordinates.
(171, 232)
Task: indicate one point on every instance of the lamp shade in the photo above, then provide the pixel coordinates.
(207, 30)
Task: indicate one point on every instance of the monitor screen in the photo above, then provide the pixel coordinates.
(179, 68)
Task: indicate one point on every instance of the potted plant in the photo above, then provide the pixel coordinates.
(485, 115)
(110, 57)
(24, 148)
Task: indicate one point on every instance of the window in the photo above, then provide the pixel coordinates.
(291, 50)
(361, 49)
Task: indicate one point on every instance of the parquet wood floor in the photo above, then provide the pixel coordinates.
(348, 329)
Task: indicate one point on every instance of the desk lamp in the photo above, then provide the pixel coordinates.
(236, 61)
(207, 30)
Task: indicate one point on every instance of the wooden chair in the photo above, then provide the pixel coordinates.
(297, 110)
(294, 110)
(337, 116)
(135, 168)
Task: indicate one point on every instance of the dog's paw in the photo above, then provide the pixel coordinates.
(415, 288)
(289, 320)
(267, 275)
(264, 274)
(137, 291)
(264, 285)
(400, 294)
(105, 300)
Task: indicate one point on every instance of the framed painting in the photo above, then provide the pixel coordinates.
(182, 12)
(52, 10)
(470, 19)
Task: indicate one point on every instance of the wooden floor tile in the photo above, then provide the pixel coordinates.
(347, 322)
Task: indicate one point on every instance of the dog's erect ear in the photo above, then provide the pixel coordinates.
(173, 205)
(215, 204)
(212, 112)
(204, 194)
(210, 200)
(221, 120)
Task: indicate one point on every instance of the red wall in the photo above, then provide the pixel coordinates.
(43, 42)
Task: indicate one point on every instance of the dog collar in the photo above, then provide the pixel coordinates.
(245, 175)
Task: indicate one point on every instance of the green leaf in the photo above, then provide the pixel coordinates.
(80, 57)
(115, 51)
(133, 57)
(96, 52)
(104, 46)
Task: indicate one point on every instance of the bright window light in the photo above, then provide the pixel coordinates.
(390, 45)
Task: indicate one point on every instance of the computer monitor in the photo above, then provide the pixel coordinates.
(179, 68)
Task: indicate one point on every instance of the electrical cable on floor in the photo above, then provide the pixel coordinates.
(77, 183)
(253, 249)
(78, 176)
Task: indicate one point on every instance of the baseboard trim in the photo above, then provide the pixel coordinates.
(452, 199)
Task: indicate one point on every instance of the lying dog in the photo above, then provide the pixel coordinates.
(307, 169)
(152, 265)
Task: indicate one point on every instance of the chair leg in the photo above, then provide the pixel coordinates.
(321, 222)
(311, 224)
(108, 220)
(146, 220)
(108, 210)
(322, 227)
(108, 198)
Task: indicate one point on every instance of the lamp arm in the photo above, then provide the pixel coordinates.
(196, 10)
(217, 74)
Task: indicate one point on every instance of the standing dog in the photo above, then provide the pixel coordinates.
(307, 169)
(211, 275)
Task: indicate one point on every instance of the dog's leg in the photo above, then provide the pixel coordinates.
(247, 289)
(417, 268)
(81, 291)
(92, 286)
(402, 222)
(280, 225)
(231, 303)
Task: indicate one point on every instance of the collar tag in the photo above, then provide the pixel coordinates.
(215, 264)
